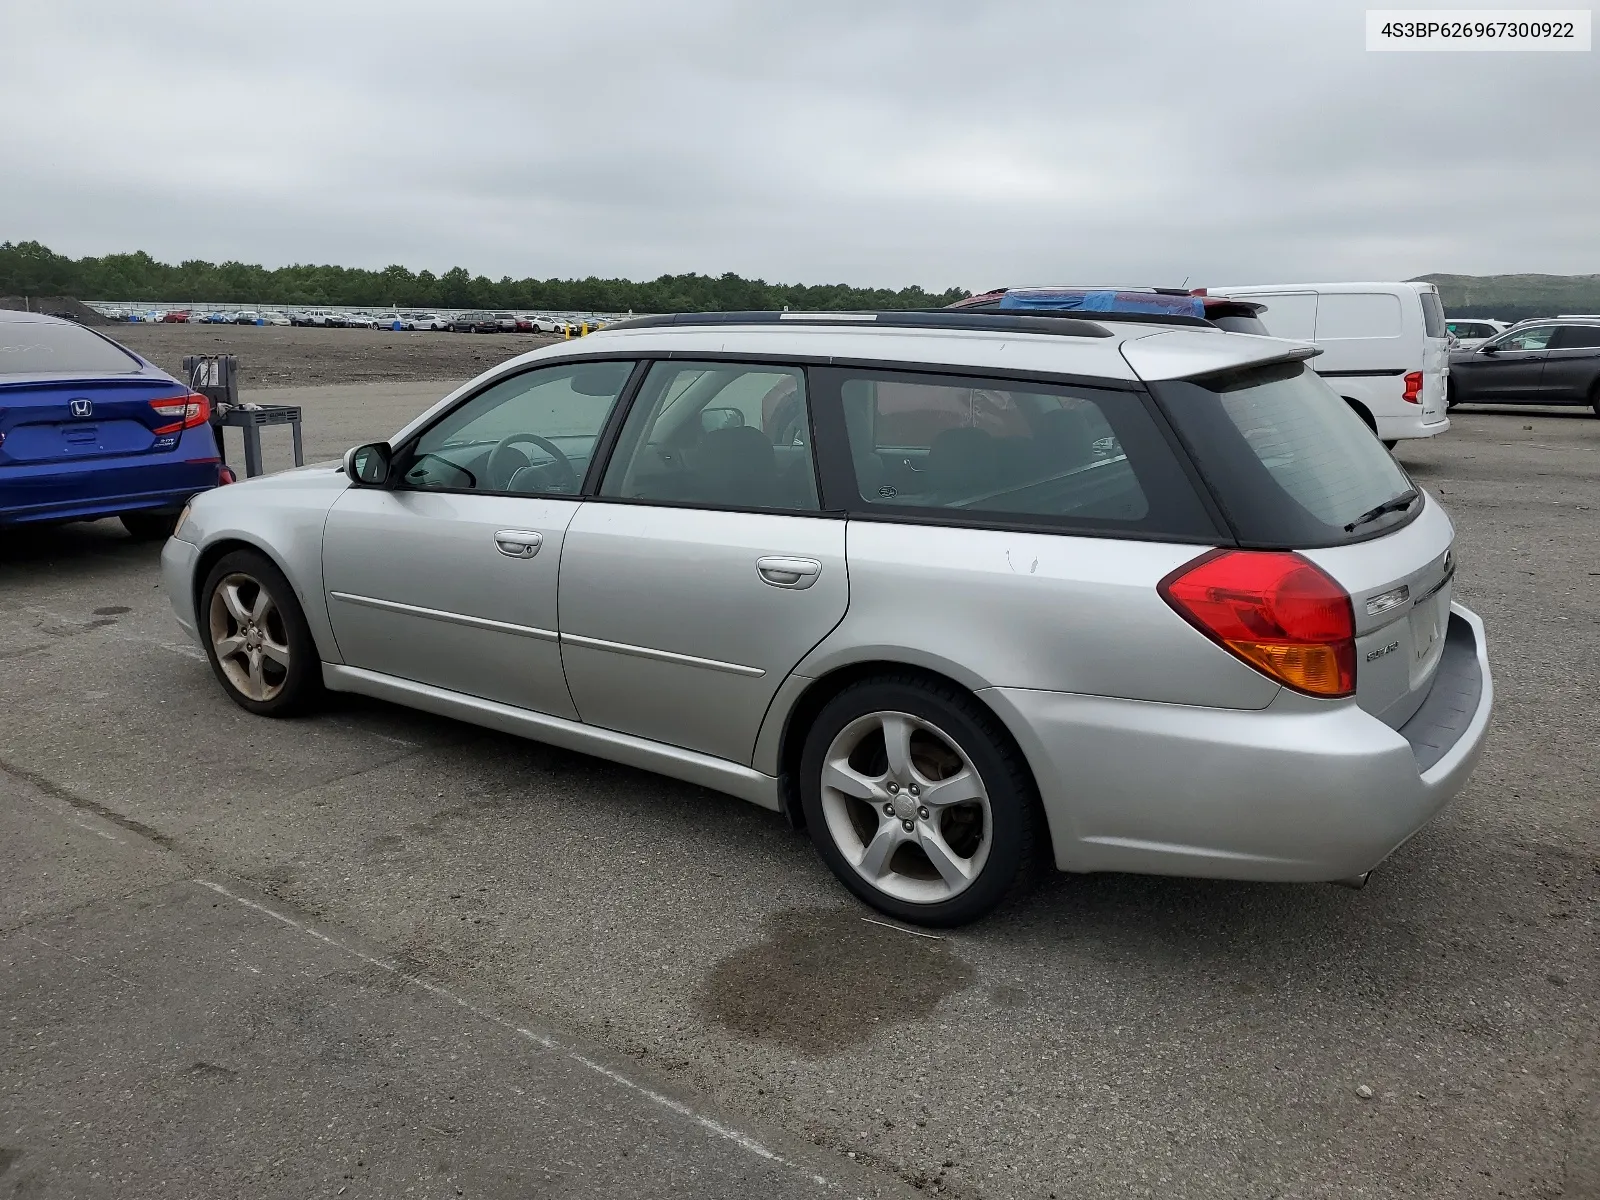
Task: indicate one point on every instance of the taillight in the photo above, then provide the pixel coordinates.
(225, 475)
(184, 412)
(1278, 612)
(1413, 392)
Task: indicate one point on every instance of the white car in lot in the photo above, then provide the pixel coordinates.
(1472, 332)
(1386, 348)
(431, 322)
(949, 589)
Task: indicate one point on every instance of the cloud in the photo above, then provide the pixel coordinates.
(905, 141)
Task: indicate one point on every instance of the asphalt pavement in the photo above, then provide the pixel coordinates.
(1107, 1035)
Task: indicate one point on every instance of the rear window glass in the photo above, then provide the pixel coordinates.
(1359, 315)
(50, 347)
(1432, 315)
(945, 447)
(1290, 462)
(1576, 337)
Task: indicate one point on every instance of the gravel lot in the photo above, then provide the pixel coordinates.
(275, 356)
(1109, 1036)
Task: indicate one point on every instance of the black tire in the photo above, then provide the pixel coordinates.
(299, 686)
(1015, 817)
(149, 526)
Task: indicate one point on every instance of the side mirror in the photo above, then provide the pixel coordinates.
(720, 418)
(1488, 348)
(368, 465)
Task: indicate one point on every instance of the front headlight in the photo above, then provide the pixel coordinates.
(183, 519)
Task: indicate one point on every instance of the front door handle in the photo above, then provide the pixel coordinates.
(518, 543)
(781, 571)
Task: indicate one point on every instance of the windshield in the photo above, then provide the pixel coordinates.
(1289, 461)
(53, 347)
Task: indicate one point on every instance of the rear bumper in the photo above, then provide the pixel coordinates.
(1302, 790)
(104, 487)
(1417, 425)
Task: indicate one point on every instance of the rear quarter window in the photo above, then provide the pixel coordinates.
(56, 348)
(1288, 460)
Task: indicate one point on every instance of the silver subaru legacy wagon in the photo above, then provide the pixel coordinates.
(955, 592)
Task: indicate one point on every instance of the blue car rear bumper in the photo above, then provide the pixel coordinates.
(105, 487)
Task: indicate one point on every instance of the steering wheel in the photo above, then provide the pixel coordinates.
(501, 468)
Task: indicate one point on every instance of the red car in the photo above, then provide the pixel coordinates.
(175, 318)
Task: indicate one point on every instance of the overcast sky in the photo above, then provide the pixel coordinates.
(965, 143)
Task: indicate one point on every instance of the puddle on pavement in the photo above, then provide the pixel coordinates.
(823, 980)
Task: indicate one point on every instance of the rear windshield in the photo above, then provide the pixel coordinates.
(56, 348)
(1289, 461)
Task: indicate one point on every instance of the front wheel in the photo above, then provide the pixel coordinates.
(918, 801)
(256, 637)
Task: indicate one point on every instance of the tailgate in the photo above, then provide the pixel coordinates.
(1400, 586)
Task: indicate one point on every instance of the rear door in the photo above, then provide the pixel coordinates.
(1435, 357)
(705, 570)
(1572, 365)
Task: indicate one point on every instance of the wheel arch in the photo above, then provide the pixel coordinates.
(813, 695)
(214, 551)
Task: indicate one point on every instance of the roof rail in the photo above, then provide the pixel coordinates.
(939, 318)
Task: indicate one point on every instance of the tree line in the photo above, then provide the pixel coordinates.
(31, 269)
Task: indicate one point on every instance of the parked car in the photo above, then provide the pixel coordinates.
(427, 321)
(353, 320)
(504, 322)
(176, 316)
(275, 318)
(388, 320)
(475, 322)
(88, 429)
(525, 324)
(247, 316)
(1385, 347)
(1161, 304)
(219, 318)
(1472, 332)
(1214, 629)
(1545, 362)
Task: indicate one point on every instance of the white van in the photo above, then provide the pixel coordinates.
(1385, 347)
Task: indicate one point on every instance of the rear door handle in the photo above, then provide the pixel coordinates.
(781, 571)
(518, 543)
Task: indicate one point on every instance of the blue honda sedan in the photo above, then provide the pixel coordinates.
(88, 429)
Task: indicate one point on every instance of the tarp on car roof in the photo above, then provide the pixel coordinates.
(1078, 300)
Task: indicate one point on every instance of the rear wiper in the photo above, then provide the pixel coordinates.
(1399, 504)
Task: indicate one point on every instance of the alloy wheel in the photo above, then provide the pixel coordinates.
(249, 637)
(906, 807)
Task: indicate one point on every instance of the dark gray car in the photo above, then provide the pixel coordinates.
(1543, 362)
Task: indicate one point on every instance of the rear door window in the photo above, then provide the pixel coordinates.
(56, 348)
(1290, 462)
(1534, 337)
(1432, 315)
(1343, 315)
(976, 450)
(1576, 337)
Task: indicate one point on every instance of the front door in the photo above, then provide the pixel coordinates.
(448, 576)
(1510, 368)
(704, 571)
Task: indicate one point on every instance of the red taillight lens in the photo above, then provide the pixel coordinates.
(225, 475)
(1413, 392)
(184, 412)
(1278, 612)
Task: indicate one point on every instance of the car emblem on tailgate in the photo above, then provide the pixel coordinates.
(82, 407)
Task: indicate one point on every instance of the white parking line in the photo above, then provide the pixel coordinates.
(742, 1140)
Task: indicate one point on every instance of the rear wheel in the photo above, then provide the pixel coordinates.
(256, 636)
(149, 526)
(918, 801)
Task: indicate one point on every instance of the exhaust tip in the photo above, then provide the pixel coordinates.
(1355, 882)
